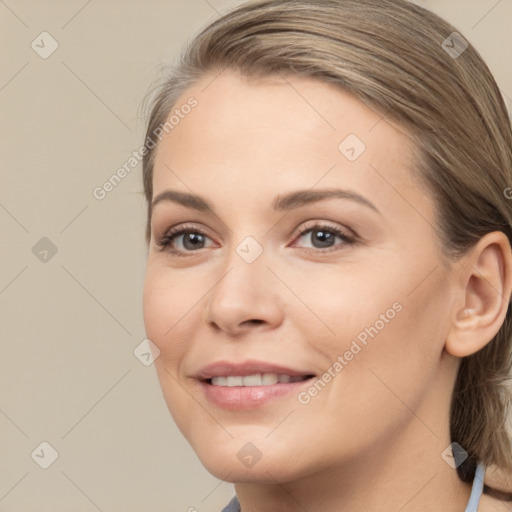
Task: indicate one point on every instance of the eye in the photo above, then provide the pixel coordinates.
(322, 236)
(184, 240)
(187, 238)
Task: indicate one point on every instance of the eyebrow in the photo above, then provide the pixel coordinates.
(286, 202)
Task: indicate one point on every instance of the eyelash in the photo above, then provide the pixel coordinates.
(164, 243)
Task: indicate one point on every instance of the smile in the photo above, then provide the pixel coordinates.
(257, 379)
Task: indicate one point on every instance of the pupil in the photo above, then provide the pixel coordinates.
(194, 239)
(325, 238)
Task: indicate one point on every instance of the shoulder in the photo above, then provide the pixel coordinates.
(490, 504)
(498, 489)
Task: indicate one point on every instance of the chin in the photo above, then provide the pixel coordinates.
(235, 465)
(261, 473)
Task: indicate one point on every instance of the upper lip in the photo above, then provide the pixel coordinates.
(248, 367)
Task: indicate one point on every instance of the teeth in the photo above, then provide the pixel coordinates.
(258, 379)
(220, 381)
(252, 380)
(267, 379)
(235, 381)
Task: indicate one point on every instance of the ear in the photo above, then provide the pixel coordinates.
(485, 279)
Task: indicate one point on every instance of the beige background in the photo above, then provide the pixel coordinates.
(69, 325)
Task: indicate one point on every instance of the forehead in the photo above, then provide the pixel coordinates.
(279, 133)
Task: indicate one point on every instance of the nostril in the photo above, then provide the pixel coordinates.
(256, 321)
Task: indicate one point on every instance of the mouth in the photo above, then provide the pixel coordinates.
(251, 384)
(256, 379)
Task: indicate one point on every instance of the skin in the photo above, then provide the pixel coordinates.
(372, 439)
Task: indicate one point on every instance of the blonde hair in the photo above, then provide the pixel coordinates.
(405, 63)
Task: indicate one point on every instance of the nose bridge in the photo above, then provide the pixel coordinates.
(245, 271)
(244, 291)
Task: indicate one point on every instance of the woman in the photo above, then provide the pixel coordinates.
(329, 265)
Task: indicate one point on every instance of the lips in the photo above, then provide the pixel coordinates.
(250, 385)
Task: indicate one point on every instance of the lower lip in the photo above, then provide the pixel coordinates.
(249, 397)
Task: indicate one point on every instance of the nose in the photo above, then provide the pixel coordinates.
(246, 298)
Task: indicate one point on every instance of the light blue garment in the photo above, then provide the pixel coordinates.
(474, 499)
(478, 487)
(233, 506)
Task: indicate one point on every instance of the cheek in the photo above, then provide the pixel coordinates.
(166, 304)
(342, 302)
(403, 340)
(165, 308)
(383, 326)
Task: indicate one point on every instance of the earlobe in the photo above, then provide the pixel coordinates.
(485, 279)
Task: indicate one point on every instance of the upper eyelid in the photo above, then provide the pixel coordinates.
(327, 224)
(179, 229)
(304, 226)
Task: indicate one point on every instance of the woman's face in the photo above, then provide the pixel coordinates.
(314, 255)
